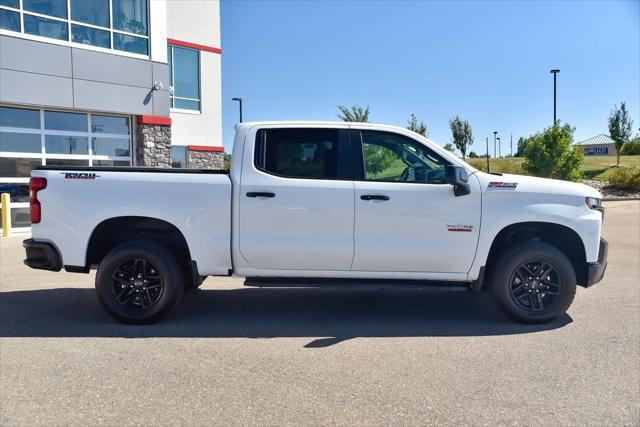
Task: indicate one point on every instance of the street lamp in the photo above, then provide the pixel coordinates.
(487, 141)
(240, 103)
(495, 132)
(555, 72)
(499, 151)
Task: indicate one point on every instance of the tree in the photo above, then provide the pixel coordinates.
(355, 113)
(420, 128)
(462, 134)
(473, 155)
(449, 147)
(522, 143)
(551, 153)
(620, 127)
(377, 159)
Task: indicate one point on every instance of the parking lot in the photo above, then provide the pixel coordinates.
(236, 355)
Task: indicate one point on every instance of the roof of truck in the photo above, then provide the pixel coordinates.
(247, 125)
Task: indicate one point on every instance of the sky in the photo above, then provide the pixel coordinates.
(488, 62)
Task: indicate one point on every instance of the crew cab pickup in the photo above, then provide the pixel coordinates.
(319, 203)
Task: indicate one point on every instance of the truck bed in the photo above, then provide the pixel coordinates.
(77, 200)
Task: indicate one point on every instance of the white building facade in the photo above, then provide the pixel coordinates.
(107, 83)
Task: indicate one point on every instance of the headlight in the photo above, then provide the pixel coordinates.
(593, 202)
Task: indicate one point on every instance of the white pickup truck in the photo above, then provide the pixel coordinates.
(320, 204)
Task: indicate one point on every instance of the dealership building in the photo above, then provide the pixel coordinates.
(107, 83)
(599, 145)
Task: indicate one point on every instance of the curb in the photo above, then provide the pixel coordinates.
(619, 199)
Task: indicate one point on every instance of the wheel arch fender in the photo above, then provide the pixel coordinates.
(566, 239)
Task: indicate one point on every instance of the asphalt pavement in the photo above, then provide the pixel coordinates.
(234, 355)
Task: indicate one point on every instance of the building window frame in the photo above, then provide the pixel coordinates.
(42, 155)
(70, 23)
(170, 59)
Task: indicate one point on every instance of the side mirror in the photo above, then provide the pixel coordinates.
(458, 177)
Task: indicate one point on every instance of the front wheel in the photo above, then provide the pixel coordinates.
(534, 282)
(139, 282)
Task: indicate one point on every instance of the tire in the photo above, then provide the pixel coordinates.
(525, 296)
(139, 282)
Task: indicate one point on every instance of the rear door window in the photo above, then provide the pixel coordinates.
(304, 153)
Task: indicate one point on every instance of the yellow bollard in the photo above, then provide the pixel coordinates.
(6, 214)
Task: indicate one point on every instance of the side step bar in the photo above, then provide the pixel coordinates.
(306, 282)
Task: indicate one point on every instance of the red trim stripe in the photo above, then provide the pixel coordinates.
(154, 120)
(205, 148)
(190, 45)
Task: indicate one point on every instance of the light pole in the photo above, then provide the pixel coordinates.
(240, 103)
(555, 72)
(487, 140)
(499, 151)
(495, 132)
(511, 145)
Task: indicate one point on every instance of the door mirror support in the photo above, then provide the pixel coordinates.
(458, 177)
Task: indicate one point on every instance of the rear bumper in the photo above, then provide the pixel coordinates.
(42, 255)
(595, 270)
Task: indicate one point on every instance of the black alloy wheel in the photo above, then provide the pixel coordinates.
(140, 281)
(534, 284)
(137, 284)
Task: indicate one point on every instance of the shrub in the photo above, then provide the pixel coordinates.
(625, 178)
(631, 148)
(507, 166)
(550, 154)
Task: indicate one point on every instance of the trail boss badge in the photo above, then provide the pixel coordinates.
(460, 228)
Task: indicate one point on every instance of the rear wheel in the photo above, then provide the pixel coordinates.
(139, 282)
(534, 282)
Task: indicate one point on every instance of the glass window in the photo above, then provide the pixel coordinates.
(90, 36)
(20, 142)
(46, 27)
(94, 12)
(178, 156)
(19, 193)
(130, 44)
(59, 144)
(67, 162)
(184, 75)
(111, 163)
(299, 153)
(20, 217)
(11, 167)
(393, 157)
(9, 20)
(130, 16)
(19, 118)
(109, 124)
(110, 146)
(10, 3)
(57, 8)
(57, 120)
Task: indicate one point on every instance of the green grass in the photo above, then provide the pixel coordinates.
(593, 167)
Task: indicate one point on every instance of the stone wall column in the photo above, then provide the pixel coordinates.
(153, 142)
(205, 157)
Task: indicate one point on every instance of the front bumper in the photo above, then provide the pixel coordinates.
(42, 255)
(595, 270)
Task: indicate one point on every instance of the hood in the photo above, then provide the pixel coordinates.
(532, 184)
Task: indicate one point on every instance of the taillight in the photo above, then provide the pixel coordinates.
(35, 185)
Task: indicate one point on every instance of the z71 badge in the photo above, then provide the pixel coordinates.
(79, 175)
(498, 185)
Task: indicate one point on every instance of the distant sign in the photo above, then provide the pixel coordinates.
(598, 151)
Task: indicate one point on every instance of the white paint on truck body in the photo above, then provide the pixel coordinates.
(317, 228)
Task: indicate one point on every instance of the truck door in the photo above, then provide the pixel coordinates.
(296, 200)
(407, 218)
